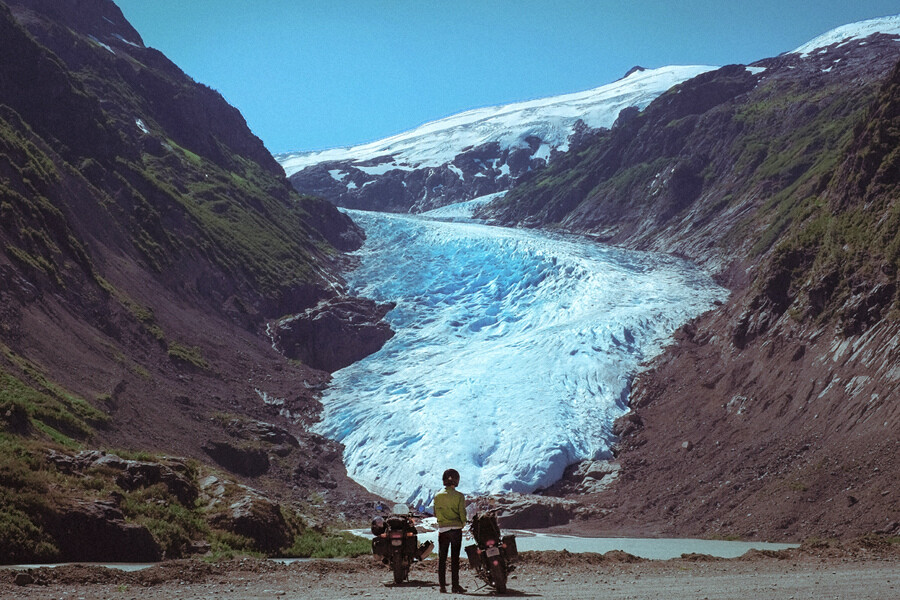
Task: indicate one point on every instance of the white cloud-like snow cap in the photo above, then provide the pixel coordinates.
(853, 31)
(552, 119)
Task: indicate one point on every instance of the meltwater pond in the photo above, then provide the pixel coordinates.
(649, 548)
(513, 354)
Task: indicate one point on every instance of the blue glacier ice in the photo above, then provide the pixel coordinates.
(513, 354)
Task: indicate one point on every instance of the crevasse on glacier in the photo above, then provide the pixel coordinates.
(512, 357)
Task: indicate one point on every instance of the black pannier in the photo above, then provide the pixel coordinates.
(474, 557)
(512, 552)
(380, 546)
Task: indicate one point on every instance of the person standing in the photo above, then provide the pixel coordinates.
(450, 510)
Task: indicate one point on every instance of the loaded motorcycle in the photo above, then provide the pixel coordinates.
(395, 542)
(492, 555)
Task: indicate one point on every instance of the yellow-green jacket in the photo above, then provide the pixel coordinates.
(450, 508)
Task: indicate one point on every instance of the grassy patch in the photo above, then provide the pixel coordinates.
(49, 408)
(23, 539)
(24, 486)
(188, 355)
(172, 525)
(314, 544)
(226, 544)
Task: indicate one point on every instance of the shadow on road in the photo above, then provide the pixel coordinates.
(412, 583)
(481, 592)
(484, 592)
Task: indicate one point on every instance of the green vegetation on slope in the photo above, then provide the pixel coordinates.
(118, 175)
(775, 154)
(34, 491)
(849, 240)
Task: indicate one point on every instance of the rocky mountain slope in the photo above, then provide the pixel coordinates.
(776, 415)
(157, 267)
(472, 154)
(148, 244)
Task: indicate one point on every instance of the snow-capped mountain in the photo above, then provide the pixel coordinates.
(853, 31)
(484, 151)
(473, 153)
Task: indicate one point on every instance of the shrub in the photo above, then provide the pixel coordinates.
(172, 525)
(227, 544)
(22, 540)
(313, 544)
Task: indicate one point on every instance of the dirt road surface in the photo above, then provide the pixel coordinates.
(789, 576)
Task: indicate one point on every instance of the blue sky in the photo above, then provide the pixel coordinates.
(314, 74)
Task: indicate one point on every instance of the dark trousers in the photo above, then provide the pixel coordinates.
(452, 541)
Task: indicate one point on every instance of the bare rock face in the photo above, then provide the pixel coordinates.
(250, 446)
(134, 474)
(97, 532)
(335, 333)
(526, 511)
(585, 477)
(243, 460)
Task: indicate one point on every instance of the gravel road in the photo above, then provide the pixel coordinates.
(539, 575)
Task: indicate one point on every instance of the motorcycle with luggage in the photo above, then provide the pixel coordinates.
(493, 555)
(396, 542)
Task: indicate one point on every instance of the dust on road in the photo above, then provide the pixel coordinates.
(539, 575)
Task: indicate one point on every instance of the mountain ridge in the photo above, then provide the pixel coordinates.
(444, 162)
(471, 154)
(148, 245)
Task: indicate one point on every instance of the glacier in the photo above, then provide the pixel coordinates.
(513, 354)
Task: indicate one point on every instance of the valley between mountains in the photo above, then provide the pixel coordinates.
(186, 327)
(774, 415)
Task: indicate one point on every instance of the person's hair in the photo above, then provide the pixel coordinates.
(451, 477)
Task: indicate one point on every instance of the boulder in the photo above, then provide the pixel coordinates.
(14, 418)
(534, 512)
(243, 460)
(257, 518)
(96, 531)
(335, 333)
(134, 474)
(144, 474)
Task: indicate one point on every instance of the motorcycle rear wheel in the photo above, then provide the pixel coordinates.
(498, 574)
(397, 566)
